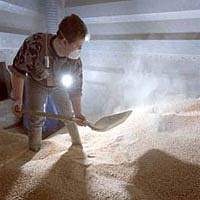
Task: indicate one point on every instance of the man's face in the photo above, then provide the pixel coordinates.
(76, 45)
(69, 47)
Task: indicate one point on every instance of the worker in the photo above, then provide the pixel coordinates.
(42, 60)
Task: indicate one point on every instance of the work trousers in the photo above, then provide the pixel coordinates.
(37, 94)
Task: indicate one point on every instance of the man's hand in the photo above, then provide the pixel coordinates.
(17, 107)
(81, 120)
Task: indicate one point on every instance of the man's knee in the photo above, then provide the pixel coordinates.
(35, 122)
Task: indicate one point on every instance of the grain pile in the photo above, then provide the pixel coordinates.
(154, 155)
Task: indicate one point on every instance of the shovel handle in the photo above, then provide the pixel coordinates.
(54, 116)
(48, 115)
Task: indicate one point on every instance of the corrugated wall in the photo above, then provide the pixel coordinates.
(17, 20)
(141, 52)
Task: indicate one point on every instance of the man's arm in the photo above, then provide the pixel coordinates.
(75, 93)
(23, 64)
(76, 103)
(18, 87)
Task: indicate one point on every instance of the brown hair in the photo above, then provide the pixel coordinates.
(72, 28)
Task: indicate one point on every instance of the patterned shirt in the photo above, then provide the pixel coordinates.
(30, 61)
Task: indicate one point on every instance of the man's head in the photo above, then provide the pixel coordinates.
(72, 28)
(72, 33)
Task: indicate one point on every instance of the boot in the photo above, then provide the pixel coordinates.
(35, 138)
(73, 131)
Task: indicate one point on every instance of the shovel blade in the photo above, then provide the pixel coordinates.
(103, 124)
(108, 122)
